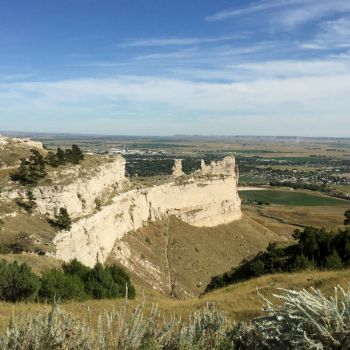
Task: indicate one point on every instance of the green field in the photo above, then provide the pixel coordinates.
(291, 198)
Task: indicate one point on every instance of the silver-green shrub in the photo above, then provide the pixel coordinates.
(301, 320)
(53, 329)
(304, 320)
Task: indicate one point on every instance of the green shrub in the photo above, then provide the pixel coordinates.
(17, 282)
(73, 155)
(101, 282)
(108, 282)
(62, 286)
(75, 267)
(257, 268)
(332, 261)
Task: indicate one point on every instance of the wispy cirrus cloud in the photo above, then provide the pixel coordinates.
(333, 34)
(291, 13)
(252, 8)
(178, 41)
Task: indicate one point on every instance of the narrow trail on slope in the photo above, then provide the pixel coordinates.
(167, 240)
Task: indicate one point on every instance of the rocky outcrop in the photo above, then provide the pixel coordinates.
(8, 141)
(227, 166)
(83, 193)
(177, 168)
(200, 201)
(82, 196)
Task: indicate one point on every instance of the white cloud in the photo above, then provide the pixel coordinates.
(291, 13)
(252, 8)
(176, 41)
(333, 34)
(163, 102)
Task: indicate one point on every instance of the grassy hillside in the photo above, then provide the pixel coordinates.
(173, 251)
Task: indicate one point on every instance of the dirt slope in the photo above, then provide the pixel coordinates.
(176, 258)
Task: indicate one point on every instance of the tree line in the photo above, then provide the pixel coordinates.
(73, 281)
(315, 248)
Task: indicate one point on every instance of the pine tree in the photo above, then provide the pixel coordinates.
(60, 156)
(32, 170)
(63, 220)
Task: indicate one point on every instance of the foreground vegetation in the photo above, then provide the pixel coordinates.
(304, 320)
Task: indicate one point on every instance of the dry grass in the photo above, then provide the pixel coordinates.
(194, 254)
(25, 225)
(240, 300)
(283, 219)
(39, 264)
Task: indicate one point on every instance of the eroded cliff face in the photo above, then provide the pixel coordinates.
(83, 195)
(81, 191)
(202, 200)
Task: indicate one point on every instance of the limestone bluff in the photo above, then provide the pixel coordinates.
(205, 198)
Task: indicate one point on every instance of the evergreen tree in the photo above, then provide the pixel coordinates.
(60, 156)
(332, 261)
(57, 284)
(52, 159)
(76, 154)
(17, 282)
(32, 170)
(301, 262)
(63, 220)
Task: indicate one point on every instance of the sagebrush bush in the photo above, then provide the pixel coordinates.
(53, 329)
(304, 320)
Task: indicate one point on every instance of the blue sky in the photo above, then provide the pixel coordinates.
(164, 67)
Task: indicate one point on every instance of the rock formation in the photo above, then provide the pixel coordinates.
(8, 141)
(177, 168)
(199, 201)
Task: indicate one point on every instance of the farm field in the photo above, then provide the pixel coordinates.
(290, 198)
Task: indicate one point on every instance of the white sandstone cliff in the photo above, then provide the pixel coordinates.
(82, 195)
(207, 200)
